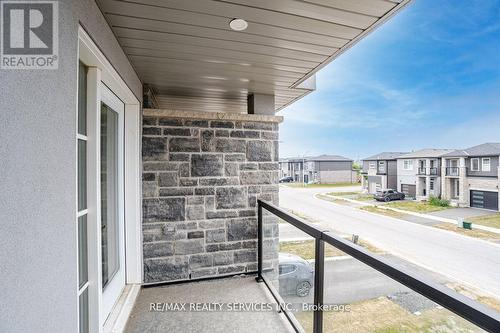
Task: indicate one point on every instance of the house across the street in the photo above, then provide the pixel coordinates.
(471, 176)
(380, 172)
(323, 169)
(419, 173)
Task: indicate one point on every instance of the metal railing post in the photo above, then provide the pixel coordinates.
(259, 242)
(319, 272)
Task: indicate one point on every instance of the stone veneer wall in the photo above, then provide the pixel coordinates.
(202, 177)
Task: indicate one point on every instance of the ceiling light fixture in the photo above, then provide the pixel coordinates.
(238, 24)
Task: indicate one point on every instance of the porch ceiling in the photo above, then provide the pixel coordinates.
(185, 47)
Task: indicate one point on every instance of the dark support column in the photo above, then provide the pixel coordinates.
(259, 243)
(261, 104)
(319, 271)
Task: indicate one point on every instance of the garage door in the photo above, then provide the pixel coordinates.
(484, 199)
(409, 189)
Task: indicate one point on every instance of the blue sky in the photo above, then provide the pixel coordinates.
(427, 78)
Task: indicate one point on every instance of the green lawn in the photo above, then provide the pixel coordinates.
(492, 220)
(416, 206)
(302, 185)
(353, 195)
(306, 249)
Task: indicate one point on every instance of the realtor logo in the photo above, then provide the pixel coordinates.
(29, 35)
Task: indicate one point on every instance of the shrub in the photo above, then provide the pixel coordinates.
(435, 201)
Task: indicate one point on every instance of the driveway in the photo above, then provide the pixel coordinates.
(462, 259)
(456, 213)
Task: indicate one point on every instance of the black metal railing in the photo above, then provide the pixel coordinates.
(433, 171)
(466, 308)
(452, 171)
(421, 171)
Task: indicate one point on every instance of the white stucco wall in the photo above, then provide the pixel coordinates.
(38, 255)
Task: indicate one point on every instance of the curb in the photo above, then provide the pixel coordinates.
(425, 216)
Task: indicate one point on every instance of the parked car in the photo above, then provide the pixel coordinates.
(388, 195)
(287, 179)
(296, 276)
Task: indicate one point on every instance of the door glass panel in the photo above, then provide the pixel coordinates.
(109, 194)
(82, 175)
(82, 99)
(84, 311)
(82, 251)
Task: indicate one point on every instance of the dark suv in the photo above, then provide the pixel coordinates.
(388, 195)
(288, 179)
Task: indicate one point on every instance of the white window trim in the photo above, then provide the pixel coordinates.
(472, 164)
(372, 165)
(408, 165)
(101, 70)
(483, 164)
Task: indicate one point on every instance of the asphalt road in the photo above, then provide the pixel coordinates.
(459, 258)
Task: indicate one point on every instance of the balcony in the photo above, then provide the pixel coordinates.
(433, 171)
(452, 171)
(325, 285)
(422, 171)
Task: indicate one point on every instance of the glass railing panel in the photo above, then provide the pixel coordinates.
(360, 299)
(288, 265)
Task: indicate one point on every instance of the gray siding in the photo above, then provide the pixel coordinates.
(493, 167)
(366, 166)
(37, 200)
(333, 165)
(392, 174)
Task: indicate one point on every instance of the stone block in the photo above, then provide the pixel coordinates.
(167, 269)
(230, 145)
(215, 236)
(230, 197)
(235, 157)
(195, 212)
(231, 169)
(163, 209)
(151, 131)
(221, 124)
(207, 140)
(204, 191)
(200, 260)
(219, 181)
(245, 134)
(234, 269)
(178, 157)
(148, 177)
(207, 165)
(177, 132)
(188, 246)
(195, 200)
(149, 189)
(176, 192)
(245, 256)
(260, 151)
(158, 249)
(223, 258)
(154, 149)
(221, 214)
(258, 126)
(256, 177)
(167, 179)
(184, 145)
(195, 234)
(149, 121)
(240, 229)
(196, 123)
(169, 122)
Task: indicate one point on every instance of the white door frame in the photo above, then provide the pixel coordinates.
(112, 291)
(101, 70)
